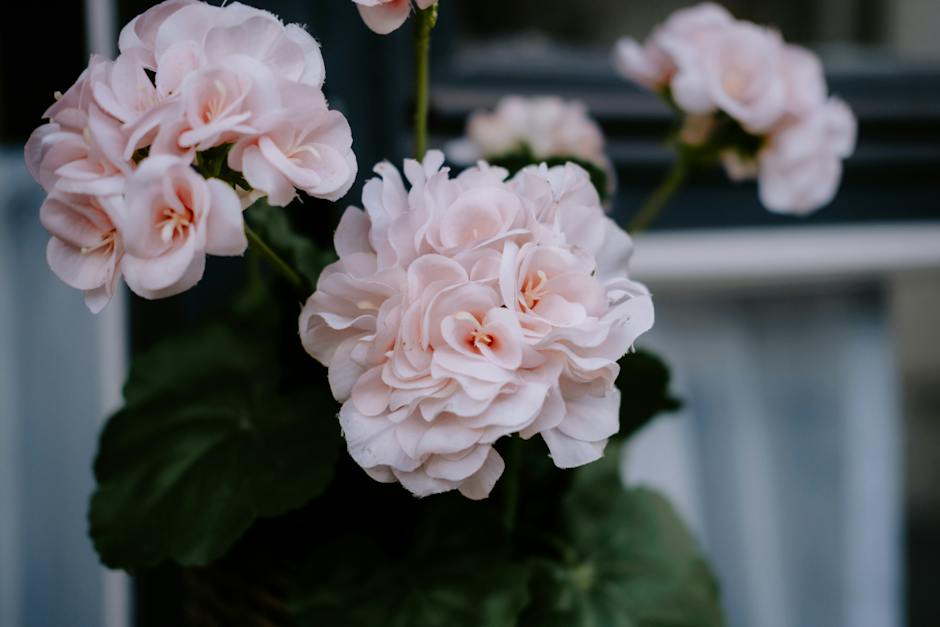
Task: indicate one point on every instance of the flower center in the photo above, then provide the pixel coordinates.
(735, 83)
(106, 243)
(477, 336)
(174, 224)
(296, 155)
(216, 104)
(533, 290)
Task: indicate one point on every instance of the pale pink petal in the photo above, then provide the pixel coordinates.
(344, 372)
(370, 394)
(165, 272)
(385, 17)
(144, 270)
(422, 485)
(480, 485)
(841, 126)
(75, 269)
(265, 177)
(225, 229)
(352, 234)
(634, 63)
(458, 467)
(98, 298)
(372, 442)
(314, 71)
(592, 418)
(568, 452)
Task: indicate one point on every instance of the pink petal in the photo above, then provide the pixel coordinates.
(387, 17)
(591, 418)
(98, 298)
(371, 440)
(352, 234)
(225, 229)
(81, 271)
(568, 452)
(370, 394)
(458, 467)
(421, 485)
(166, 272)
(264, 176)
(481, 483)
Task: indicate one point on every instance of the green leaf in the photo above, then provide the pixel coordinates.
(274, 227)
(213, 163)
(644, 385)
(451, 591)
(626, 560)
(179, 365)
(207, 443)
(451, 569)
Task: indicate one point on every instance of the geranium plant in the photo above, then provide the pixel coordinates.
(467, 336)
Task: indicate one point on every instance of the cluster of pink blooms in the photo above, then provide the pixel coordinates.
(118, 155)
(709, 62)
(547, 125)
(465, 309)
(386, 16)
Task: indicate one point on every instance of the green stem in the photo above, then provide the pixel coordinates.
(660, 197)
(261, 247)
(427, 18)
(511, 505)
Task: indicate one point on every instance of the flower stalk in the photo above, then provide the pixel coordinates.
(511, 504)
(261, 247)
(661, 196)
(427, 18)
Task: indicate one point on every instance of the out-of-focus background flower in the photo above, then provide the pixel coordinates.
(807, 350)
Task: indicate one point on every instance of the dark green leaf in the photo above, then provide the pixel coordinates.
(180, 365)
(452, 591)
(625, 560)
(274, 227)
(213, 163)
(450, 570)
(644, 385)
(207, 443)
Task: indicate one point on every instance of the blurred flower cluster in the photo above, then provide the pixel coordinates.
(148, 160)
(532, 130)
(464, 309)
(760, 104)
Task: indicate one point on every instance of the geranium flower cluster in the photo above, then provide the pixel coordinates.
(149, 159)
(386, 16)
(544, 126)
(784, 128)
(465, 309)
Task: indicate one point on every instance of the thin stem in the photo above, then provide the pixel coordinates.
(427, 18)
(654, 204)
(511, 505)
(283, 268)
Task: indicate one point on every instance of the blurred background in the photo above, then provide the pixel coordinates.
(807, 350)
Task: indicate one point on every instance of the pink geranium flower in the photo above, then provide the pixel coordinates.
(714, 68)
(190, 78)
(85, 249)
(172, 219)
(467, 309)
